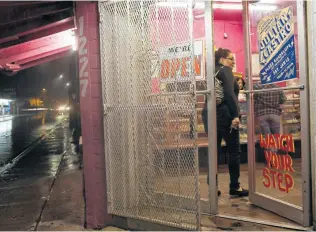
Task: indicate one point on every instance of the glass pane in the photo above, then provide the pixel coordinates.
(277, 113)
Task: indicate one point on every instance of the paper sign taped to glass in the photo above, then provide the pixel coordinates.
(277, 49)
(173, 63)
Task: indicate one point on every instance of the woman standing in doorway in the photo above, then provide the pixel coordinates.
(241, 84)
(228, 118)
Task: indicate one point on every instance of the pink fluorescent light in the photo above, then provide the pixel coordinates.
(224, 6)
(227, 6)
(233, 6)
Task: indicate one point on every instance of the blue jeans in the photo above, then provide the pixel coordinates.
(269, 124)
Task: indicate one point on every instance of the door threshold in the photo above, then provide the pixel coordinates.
(262, 222)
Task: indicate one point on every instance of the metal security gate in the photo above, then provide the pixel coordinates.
(149, 111)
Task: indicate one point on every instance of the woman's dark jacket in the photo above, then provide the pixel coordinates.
(229, 109)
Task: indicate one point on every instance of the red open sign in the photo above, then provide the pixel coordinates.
(170, 68)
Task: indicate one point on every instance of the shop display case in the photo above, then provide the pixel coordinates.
(291, 114)
(178, 124)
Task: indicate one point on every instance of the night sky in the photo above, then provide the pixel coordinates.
(30, 82)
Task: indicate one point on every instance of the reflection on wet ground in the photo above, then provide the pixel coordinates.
(25, 188)
(18, 132)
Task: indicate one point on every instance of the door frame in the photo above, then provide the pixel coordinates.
(298, 214)
(311, 28)
(212, 206)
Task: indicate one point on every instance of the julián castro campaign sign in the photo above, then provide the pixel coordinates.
(277, 48)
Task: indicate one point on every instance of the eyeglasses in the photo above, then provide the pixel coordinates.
(231, 58)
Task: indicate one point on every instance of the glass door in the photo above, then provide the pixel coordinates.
(278, 122)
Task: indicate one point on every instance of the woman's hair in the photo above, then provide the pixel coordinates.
(243, 81)
(221, 53)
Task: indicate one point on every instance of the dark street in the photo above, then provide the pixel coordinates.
(26, 187)
(19, 132)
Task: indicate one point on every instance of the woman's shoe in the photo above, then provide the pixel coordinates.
(239, 192)
(219, 193)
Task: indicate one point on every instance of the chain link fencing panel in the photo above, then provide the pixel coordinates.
(149, 111)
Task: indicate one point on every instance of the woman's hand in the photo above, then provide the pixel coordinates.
(235, 123)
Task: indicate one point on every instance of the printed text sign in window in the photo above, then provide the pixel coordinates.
(175, 61)
(277, 49)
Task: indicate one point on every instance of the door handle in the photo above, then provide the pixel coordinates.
(193, 93)
(207, 91)
(298, 87)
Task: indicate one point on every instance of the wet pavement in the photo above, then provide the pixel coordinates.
(25, 189)
(18, 132)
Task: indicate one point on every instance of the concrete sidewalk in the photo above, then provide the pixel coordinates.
(64, 210)
(65, 206)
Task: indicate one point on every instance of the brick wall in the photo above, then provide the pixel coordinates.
(91, 114)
